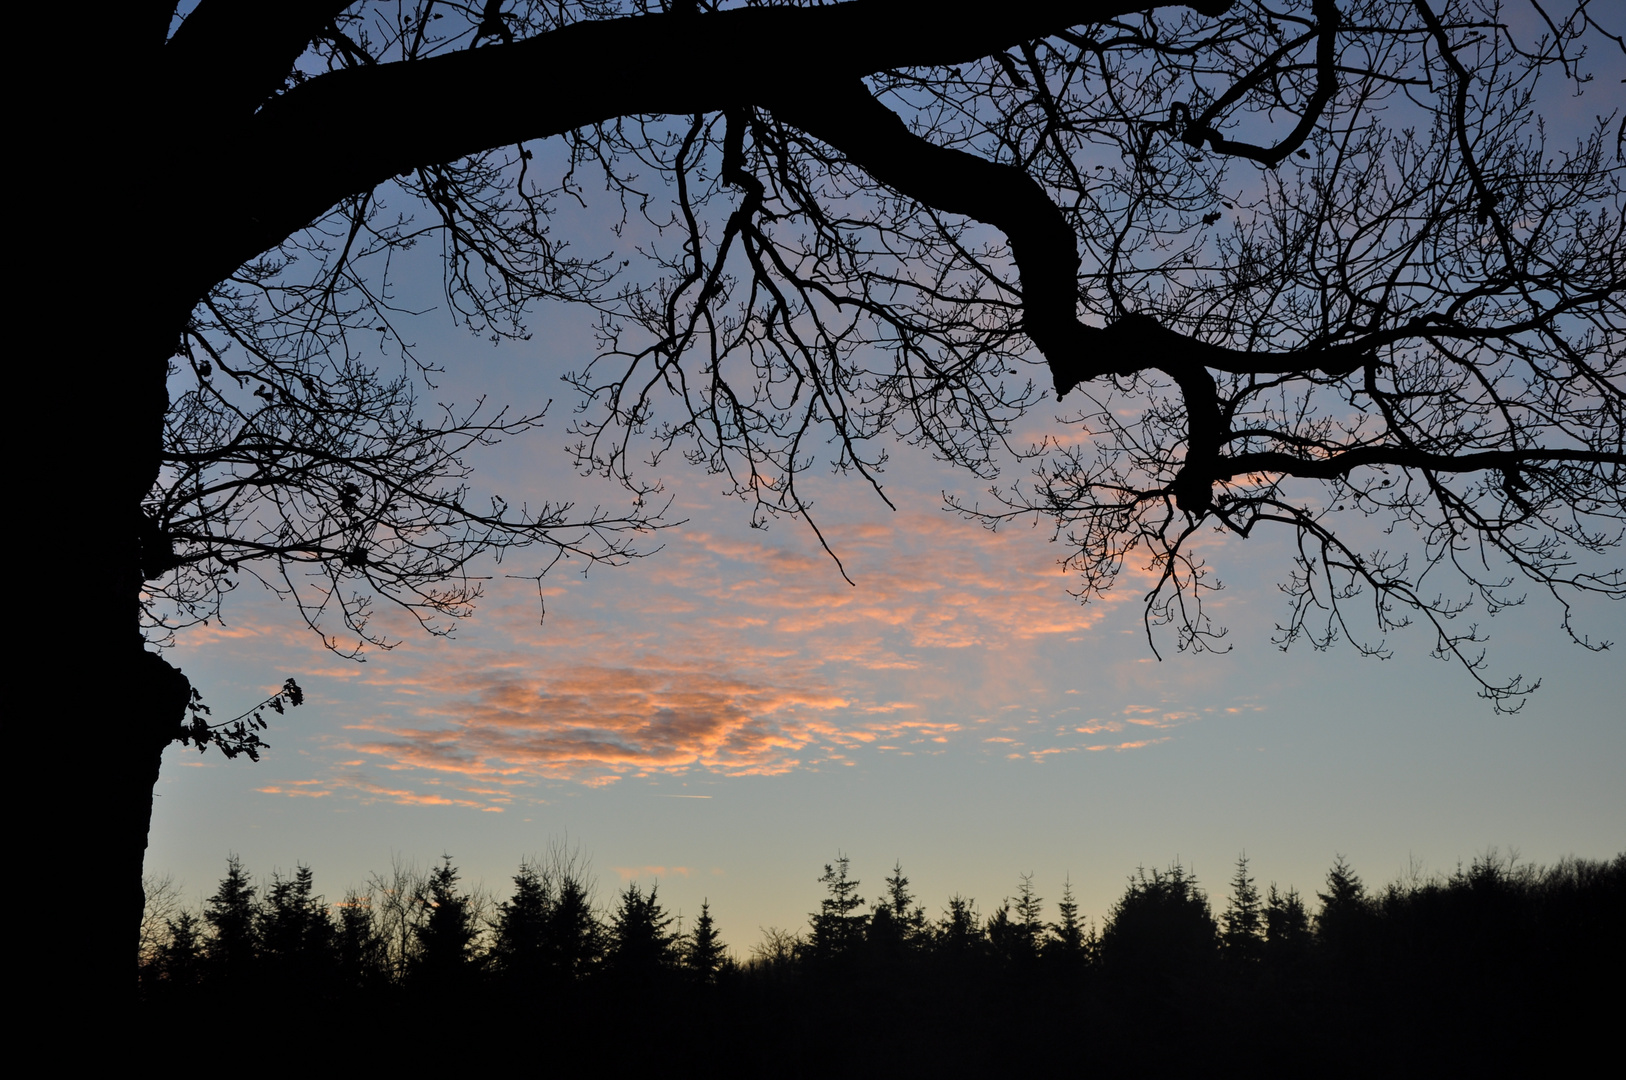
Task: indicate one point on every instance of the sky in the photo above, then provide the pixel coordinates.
(727, 715)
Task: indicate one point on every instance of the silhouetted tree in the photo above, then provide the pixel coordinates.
(1070, 942)
(1287, 924)
(838, 926)
(640, 943)
(520, 935)
(296, 933)
(397, 908)
(1016, 932)
(179, 959)
(1160, 927)
(163, 904)
(362, 953)
(1345, 909)
(575, 937)
(1242, 936)
(233, 917)
(777, 954)
(1417, 323)
(446, 937)
(960, 934)
(897, 926)
(705, 957)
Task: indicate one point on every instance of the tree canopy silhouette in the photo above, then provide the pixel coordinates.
(1315, 265)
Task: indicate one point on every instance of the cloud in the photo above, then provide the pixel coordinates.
(632, 873)
(722, 655)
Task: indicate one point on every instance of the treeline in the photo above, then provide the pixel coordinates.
(1460, 968)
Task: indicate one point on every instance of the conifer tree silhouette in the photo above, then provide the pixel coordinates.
(575, 937)
(447, 935)
(1161, 927)
(838, 926)
(640, 943)
(362, 953)
(1069, 942)
(296, 931)
(704, 955)
(520, 936)
(180, 957)
(1242, 936)
(1344, 913)
(1015, 929)
(1287, 924)
(960, 935)
(232, 915)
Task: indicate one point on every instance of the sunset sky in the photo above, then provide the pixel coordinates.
(728, 714)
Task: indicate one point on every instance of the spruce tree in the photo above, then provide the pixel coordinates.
(232, 914)
(296, 931)
(363, 956)
(575, 938)
(704, 956)
(641, 945)
(959, 932)
(1015, 929)
(1067, 941)
(1287, 924)
(905, 919)
(519, 940)
(180, 955)
(446, 937)
(1161, 927)
(839, 924)
(1243, 926)
(1344, 909)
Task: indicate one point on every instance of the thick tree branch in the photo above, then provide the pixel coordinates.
(1342, 464)
(228, 57)
(449, 106)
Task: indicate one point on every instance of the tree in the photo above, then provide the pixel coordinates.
(447, 936)
(179, 958)
(519, 938)
(575, 939)
(705, 956)
(838, 926)
(163, 903)
(363, 954)
(296, 932)
(1298, 267)
(1017, 933)
(1160, 930)
(1070, 943)
(1345, 910)
(641, 945)
(1242, 933)
(898, 924)
(960, 935)
(233, 917)
(1287, 924)
(396, 909)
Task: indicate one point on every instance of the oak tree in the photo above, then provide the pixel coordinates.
(1309, 265)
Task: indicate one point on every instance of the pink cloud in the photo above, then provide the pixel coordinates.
(722, 656)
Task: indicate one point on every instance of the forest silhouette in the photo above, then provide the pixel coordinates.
(1473, 968)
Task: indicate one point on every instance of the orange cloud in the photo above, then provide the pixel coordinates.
(631, 873)
(722, 656)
